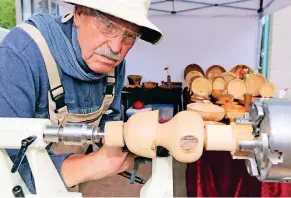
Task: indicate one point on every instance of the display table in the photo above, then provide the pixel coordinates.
(153, 96)
(216, 174)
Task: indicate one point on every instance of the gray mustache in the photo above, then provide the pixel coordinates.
(105, 51)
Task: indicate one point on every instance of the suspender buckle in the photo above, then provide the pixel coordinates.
(109, 88)
(110, 83)
(59, 99)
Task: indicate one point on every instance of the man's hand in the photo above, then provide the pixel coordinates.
(105, 162)
(113, 161)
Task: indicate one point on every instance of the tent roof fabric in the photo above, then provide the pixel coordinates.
(217, 7)
(210, 7)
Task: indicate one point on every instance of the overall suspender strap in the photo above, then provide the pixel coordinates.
(57, 90)
(109, 92)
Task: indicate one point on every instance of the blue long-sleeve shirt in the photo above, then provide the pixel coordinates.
(24, 87)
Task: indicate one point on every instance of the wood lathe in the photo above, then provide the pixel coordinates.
(262, 139)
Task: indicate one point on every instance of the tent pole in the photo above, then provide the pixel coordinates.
(260, 33)
(266, 46)
(259, 43)
(265, 33)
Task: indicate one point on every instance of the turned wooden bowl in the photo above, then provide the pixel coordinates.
(268, 90)
(234, 111)
(134, 79)
(214, 71)
(219, 83)
(208, 111)
(222, 102)
(193, 67)
(233, 108)
(217, 93)
(150, 85)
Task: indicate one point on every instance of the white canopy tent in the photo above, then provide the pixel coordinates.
(253, 11)
(218, 7)
(223, 8)
(211, 7)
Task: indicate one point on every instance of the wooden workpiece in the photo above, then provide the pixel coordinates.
(114, 134)
(226, 137)
(184, 136)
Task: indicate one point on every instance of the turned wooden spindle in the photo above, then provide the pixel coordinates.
(184, 136)
(226, 137)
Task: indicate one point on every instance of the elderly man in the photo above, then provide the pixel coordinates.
(72, 69)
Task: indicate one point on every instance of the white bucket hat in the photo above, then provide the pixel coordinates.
(134, 11)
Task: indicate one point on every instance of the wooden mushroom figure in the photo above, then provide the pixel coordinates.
(183, 135)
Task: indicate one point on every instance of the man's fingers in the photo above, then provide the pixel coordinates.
(128, 163)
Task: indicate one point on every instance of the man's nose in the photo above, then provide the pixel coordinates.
(115, 44)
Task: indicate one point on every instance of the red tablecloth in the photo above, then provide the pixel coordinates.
(216, 174)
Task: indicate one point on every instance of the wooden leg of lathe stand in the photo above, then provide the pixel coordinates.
(161, 182)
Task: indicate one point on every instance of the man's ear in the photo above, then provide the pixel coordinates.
(77, 17)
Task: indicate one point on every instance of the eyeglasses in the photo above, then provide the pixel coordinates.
(112, 30)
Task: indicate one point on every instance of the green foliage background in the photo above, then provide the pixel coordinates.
(7, 14)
